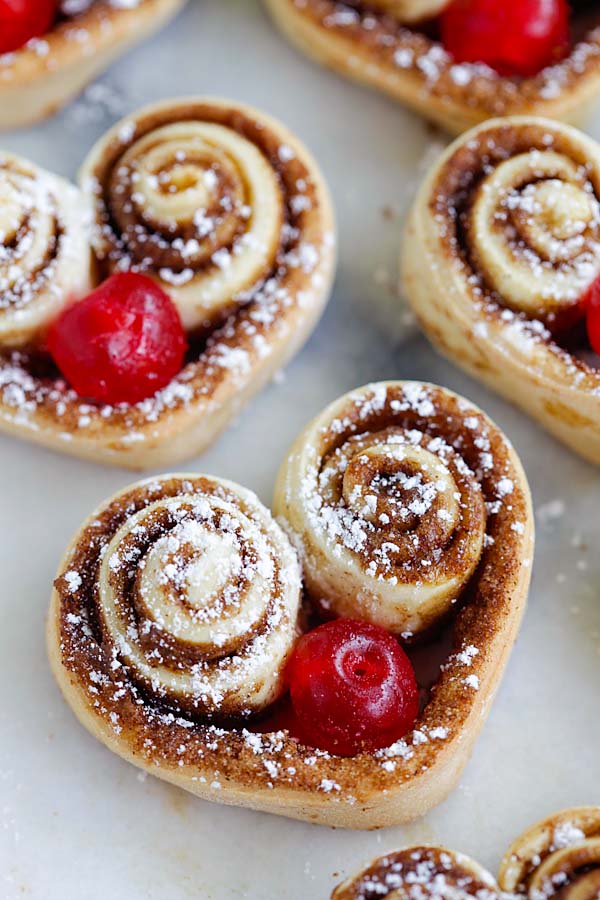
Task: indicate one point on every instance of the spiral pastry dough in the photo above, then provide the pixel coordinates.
(193, 592)
(420, 873)
(507, 226)
(383, 491)
(46, 73)
(558, 857)
(380, 43)
(183, 196)
(44, 249)
(228, 211)
(177, 604)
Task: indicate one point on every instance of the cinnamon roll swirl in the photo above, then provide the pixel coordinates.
(45, 260)
(178, 594)
(229, 213)
(501, 246)
(558, 857)
(379, 44)
(48, 72)
(183, 196)
(176, 606)
(420, 873)
(388, 494)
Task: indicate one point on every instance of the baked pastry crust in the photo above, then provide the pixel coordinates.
(47, 73)
(507, 229)
(557, 857)
(372, 47)
(269, 771)
(263, 303)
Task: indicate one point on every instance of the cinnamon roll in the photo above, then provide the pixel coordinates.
(507, 229)
(177, 605)
(225, 209)
(420, 872)
(179, 596)
(558, 857)
(87, 36)
(389, 494)
(45, 260)
(379, 44)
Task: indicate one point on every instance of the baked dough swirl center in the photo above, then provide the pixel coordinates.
(534, 232)
(199, 596)
(198, 206)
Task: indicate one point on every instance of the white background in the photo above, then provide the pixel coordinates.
(75, 821)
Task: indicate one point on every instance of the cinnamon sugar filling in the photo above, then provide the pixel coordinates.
(546, 222)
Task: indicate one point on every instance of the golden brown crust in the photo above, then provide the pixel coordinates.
(507, 224)
(267, 324)
(367, 45)
(45, 74)
(270, 771)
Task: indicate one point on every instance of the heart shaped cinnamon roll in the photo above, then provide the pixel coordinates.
(177, 607)
(227, 212)
(385, 44)
(501, 248)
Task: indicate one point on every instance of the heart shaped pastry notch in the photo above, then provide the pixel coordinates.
(50, 71)
(229, 213)
(380, 44)
(506, 227)
(150, 685)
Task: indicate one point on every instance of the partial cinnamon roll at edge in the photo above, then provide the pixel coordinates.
(424, 872)
(557, 857)
(48, 72)
(227, 210)
(381, 45)
(502, 243)
(45, 259)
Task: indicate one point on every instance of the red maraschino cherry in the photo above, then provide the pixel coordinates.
(515, 39)
(122, 343)
(592, 305)
(22, 20)
(353, 688)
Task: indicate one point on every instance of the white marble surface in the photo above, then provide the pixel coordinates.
(75, 821)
